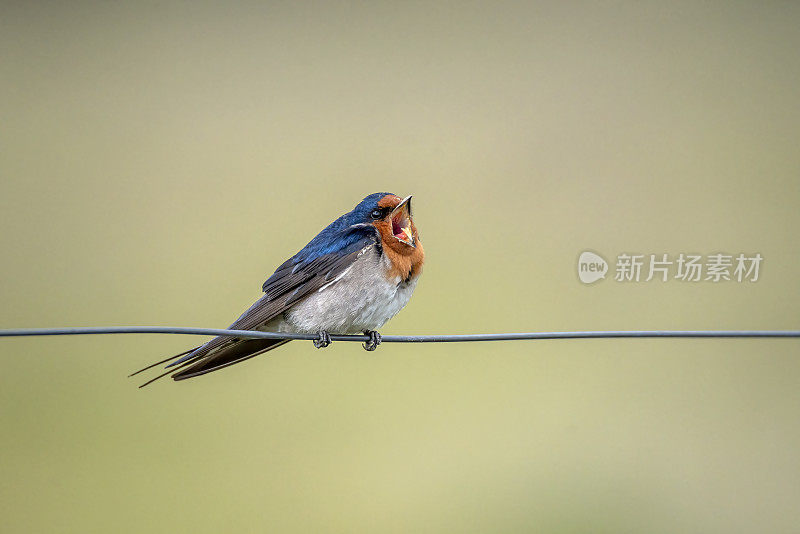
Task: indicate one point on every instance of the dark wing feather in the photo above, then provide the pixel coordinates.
(294, 279)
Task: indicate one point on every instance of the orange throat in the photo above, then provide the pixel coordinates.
(400, 239)
(405, 260)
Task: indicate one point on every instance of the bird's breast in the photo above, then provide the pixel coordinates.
(363, 297)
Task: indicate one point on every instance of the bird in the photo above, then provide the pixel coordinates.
(351, 278)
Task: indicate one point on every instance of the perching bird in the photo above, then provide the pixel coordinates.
(355, 275)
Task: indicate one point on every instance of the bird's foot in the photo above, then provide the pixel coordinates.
(374, 340)
(323, 340)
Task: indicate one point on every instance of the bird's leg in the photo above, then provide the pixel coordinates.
(374, 340)
(323, 341)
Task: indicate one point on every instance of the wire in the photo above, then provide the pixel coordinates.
(436, 338)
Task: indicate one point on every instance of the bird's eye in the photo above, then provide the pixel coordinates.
(376, 214)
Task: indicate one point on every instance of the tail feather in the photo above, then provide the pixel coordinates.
(162, 361)
(230, 355)
(162, 375)
(199, 360)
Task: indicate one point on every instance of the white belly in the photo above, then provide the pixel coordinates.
(361, 299)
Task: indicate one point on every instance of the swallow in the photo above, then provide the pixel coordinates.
(355, 275)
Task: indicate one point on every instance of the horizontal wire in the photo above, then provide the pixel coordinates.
(436, 338)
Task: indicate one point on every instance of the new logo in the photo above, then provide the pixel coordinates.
(591, 267)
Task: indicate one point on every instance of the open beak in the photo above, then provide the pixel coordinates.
(401, 222)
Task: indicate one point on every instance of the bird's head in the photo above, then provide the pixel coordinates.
(391, 216)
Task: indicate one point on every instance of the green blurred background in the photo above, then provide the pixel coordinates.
(160, 159)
